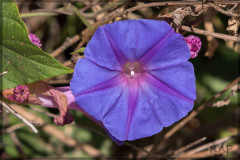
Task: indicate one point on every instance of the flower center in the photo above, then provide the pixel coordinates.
(132, 69)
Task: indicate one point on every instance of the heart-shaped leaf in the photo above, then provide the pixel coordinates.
(24, 61)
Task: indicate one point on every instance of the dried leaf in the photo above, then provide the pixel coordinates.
(233, 25)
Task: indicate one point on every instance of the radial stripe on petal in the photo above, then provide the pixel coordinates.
(148, 56)
(119, 55)
(107, 84)
(133, 92)
(160, 85)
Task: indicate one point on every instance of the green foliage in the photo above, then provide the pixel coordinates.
(24, 61)
(81, 50)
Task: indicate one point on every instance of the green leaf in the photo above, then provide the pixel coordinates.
(81, 50)
(24, 61)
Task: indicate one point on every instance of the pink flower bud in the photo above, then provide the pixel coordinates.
(194, 44)
(44, 95)
(34, 39)
(21, 93)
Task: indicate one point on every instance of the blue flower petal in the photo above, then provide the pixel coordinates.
(171, 50)
(155, 109)
(104, 53)
(180, 77)
(88, 74)
(135, 37)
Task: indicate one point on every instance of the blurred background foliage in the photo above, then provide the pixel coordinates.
(212, 75)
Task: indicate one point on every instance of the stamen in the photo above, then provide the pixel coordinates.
(132, 69)
(132, 73)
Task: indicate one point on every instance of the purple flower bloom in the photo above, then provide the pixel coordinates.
(135, 78)
(21, 93)
(194, 44)
(34, 39)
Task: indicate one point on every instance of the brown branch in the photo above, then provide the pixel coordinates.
(207, 153)
(67, 43)
(57, 133)
(14, 128)
(228, 13)
(20, 117)
(192, 115)
(67, 63)
(213, 34)
(184, 148)
(226, 100)
(119, 13)
(105, 8)
(43, 112)
(207, 146)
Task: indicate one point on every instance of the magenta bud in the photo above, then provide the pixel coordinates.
(34, 39)
(21, 93)
(194, 44)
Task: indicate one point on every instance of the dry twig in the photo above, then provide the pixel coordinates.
(213, 34)
(55, 132)
(14, 128)
(226, 100)
(184, 148)
(118, 13)
(228, 13)
(43, 112)
(8, 108)
(207, 146)
(207, 153)
(67, 43)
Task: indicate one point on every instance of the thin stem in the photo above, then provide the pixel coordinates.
(107, 7)
(67, 43)
(184, 148)
(228, 13)
(213, 34)
(37, 14)
(43, 112)
(82, 18)
(13, 128)
(7, 107)
(206, 146)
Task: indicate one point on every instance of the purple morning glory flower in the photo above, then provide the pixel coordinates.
(135, 78)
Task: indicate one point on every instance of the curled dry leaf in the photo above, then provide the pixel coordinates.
(233, 25)
(42, 89)
(181, 13)
(226, 100)
(222, 103)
